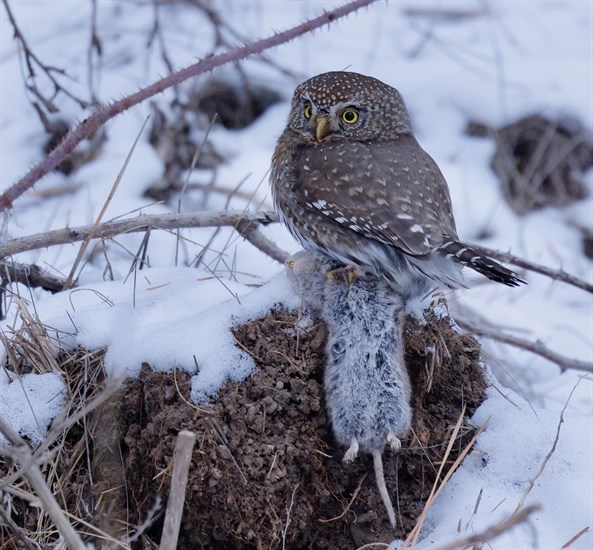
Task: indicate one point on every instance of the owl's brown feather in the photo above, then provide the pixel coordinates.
(390, 191)
(364, 191)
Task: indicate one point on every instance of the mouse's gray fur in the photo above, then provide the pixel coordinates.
(366, 383)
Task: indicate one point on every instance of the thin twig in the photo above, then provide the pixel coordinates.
(252, 234)
(288, 512)
(349, 505)
(550, 453)
(105, 112)
(31, 60)
(181, 462)
(493, 531)
(535, 347)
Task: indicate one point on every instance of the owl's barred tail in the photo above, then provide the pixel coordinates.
(467, 256)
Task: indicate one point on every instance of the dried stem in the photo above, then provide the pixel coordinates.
(21, 454)
(103, 113)
(181, 462)
(493, 531)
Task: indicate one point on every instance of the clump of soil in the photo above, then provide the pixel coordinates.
(265, 469)
(539, 161)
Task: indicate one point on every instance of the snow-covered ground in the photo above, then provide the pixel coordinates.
(492, 62)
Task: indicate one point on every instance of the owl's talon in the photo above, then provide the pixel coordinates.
(347, 274)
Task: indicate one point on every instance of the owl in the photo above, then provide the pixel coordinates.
(350, 180)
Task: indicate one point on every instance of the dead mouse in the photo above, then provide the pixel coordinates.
(366, 383)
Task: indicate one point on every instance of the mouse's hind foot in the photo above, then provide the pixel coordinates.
(394, 443)
(352, 451)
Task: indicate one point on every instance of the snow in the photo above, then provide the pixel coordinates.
(495, 62)
(166, 317)
(508, 454)
(30, 402)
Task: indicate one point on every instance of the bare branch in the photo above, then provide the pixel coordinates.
(493, 531)
(556, 274)
(240, 220)
(32, 276)
(536, 347)
(252, 234)
(103, 113)
(32, 61)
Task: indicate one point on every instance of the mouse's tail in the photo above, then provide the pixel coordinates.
(380, 479)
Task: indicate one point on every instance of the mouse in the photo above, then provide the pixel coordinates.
(367, 387)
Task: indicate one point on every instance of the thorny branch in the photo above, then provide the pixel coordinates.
(105, 112)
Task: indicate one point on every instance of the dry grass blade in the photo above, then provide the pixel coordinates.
(412, 537)
(21, 453)
(570, 542)
(95, 226)
(64, 511)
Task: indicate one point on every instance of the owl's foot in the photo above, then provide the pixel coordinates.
(394, 443)
(347, 274)
(352, 452)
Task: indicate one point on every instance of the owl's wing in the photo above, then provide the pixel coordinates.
(389, 191)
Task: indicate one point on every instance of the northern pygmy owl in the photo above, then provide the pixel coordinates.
(349, 179)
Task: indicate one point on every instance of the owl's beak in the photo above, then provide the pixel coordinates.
(321, 127)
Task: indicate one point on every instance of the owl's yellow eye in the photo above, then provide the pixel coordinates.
(349, 115)
(307, 111)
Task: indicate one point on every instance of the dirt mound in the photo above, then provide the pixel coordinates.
(539, 161)
(265, 469)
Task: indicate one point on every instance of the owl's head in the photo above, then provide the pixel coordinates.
(351, 105)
